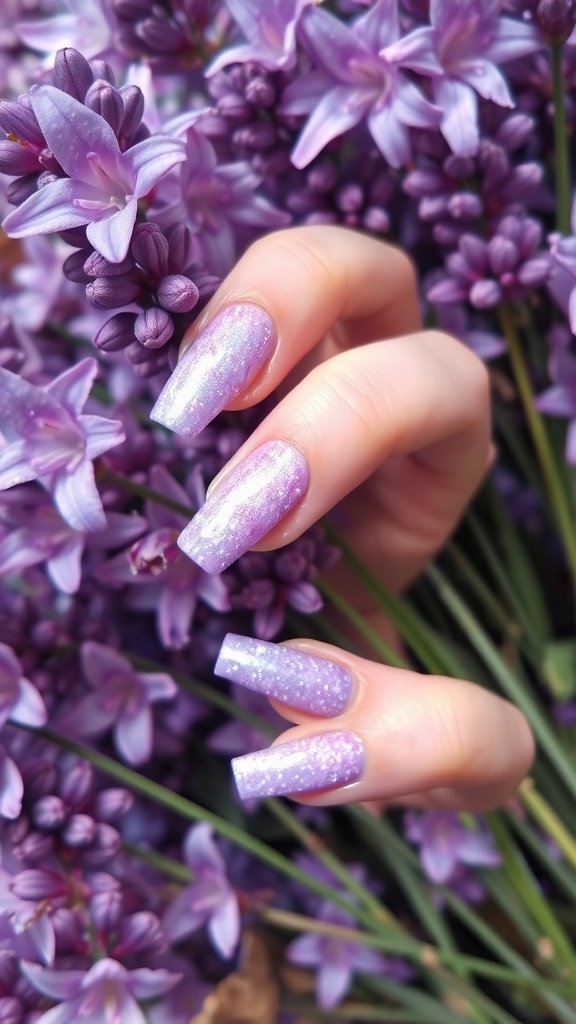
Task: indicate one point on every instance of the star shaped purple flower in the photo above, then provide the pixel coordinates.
(210, 900)
(445, 844)
(45, 436)
(20, 703)
(103, 185)
(107, 991)
(358, 77)
(270, 29)
(121, 700)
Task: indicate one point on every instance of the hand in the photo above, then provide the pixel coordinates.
(391, 421)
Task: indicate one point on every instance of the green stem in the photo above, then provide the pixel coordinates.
(124, 483)
(548, 820)
(387, 653)
(545, 455)
(561, 152)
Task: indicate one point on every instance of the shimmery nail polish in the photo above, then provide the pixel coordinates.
(325, 761)
(219, 364)
(244, 506)
(290, 675)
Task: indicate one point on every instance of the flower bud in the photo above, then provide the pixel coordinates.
(465, 206)
(234, 108)
(105, 845)
(515, 131)
(20, 189)
(73, 267)
(485, 294)
(68, 927)
(116, 333)
(111, 804)
(35, 848)
(177, 293)
(16, 159)
(97, 265)
(77, 782)
(38, 884)
(111, 292)
(106, 910)
(350, 198)
(79, 830)
(138, 933)
(49, 813)
(133, 102)
(180, 247)
(258, 136)
(105, 100)
(101, 69)
(160, 35)
(150, 367)
(260, 91)
(18, 120)
(534, 272)
(149, 247)
(556, 19)
(502, 254)
(72, 73)
(153, 327)
(376, 219)
(305, 598)
(131, 10)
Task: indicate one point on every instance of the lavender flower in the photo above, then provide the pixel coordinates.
(106, 991)
(270, 30)
(88, 27)
(121, 700)
(445, 844)
(46, 437)
(20, 703)
(103, 185)
(210, 899)
(359, 78)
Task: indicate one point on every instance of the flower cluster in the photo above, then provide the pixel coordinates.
(143, 148)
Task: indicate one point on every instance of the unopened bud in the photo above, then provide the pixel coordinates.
(180, 247)
(111, 292)
(77, 782)
(72, 73)
(485, 294)
(49, 813)
(116, 333)
(138, 933)
(79, 830)
(133, 102)
(105, 845)
(153, 327)
(16, 159)
(11, 1010)
(97, 265)
(149, 247)
(556, 19)
(111, 804)
(260, 91)
(106, 910)
(101, 69)
(19, 120)
(105, 100)
(21, 188)
(177, 293)
(73, 267)
(38, 884)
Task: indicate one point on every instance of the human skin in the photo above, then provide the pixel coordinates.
(394, 424)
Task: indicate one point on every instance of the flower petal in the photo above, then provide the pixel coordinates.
(51, 208)
(158, 686)
(101, 434)
(15, 465)
(64, 567)
(332, 982)
(514, 39)
(54, 984)
(73, 132)
(333, 46)
(133, 736)
(460, 121)
(338, 111)
(224, 926)
(11, 788)
(150, 159)
(111, 235)
(77, 499)
(29, 709)
(72, 387)
(146, 983)
(391, 136)
(488, 81)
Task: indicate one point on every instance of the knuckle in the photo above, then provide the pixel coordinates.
(297, 257)
(354, 397)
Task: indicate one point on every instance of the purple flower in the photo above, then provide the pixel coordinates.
(560, 399)
(20, 703)
(107, 991)
(470, 39)
(271, 32)
(359, 77)
(335, 959)
(87, 26)
(103, 185)
(121, 700)
(210, 900)
(46, 437)
(445, 844)
(27, 927)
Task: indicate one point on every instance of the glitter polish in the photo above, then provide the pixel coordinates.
(326, 761)
(245, 504)
(215, 369)
(302, 680)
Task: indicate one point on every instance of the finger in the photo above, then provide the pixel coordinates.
(397, 733)
(424, 394)
(279, 301)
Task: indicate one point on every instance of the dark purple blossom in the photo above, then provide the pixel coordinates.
(45, 436)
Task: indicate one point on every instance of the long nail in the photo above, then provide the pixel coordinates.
(326, 761)
(249, 500)
(294, 677)
(219, 364)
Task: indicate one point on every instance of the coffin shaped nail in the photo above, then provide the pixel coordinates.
(220, 363)
(292, 676)
(244, 506)
(326, 761)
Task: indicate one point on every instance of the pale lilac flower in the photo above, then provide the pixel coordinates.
(46, 437)
(21, 704)
(359, 78)
(270, 29)
(103, 185)
(87, 25)
(106, 992)
(39, 283)
(445, 844)
(560, 398)
(25, 928)
(470, 40)
(334, 959)
(121, 700)
(209, 900)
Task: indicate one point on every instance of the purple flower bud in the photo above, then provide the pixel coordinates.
(49, 812)
(255, 137)
(73, 267)
(534, 272)
(149, 367)
(261, 92)
(160, 35)
(68, 927)
(234, 108)
(305, 598)
(322, 176)
(521, 183)
(177, 293)
(272, 163)
(556, 19)
(133, 101)
(38, 884)
(35, 848)
(111, 804)
(79, 830)
(376, 219)
(98, 266)
(153, 327)
(105, 845)
(111, 292)
(149, 247)
(20, 189)
(131, 10)
(350, 198)
(421, 184)
(465, 206)
(138, 933)
(77, 782)
(105, 100)
(18, 120)
(180, 247)
(116, 333)
(502, 255)
(515, 131)
(72, 73)
(431, 208)
(106, 910)
(447, 292)
(101, 69)
(17, 159)
(75, 237)
(458, 167)
(11, 1010)
(485, 294)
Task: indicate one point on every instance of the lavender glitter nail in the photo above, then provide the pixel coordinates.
(216, 368)
(302, 680)
(326, 761)
(252, 498)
